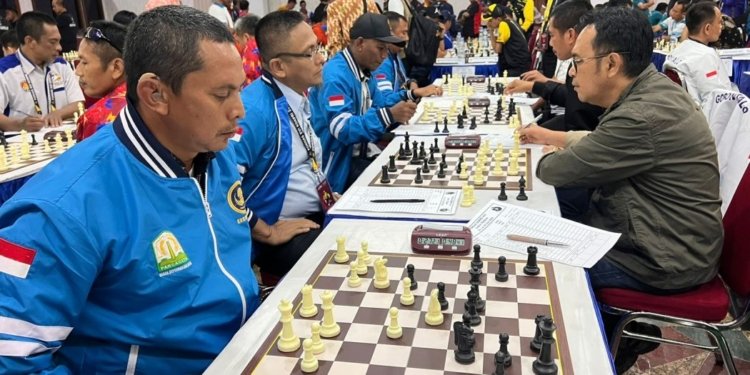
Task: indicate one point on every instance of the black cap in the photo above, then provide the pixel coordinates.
(374, 26)
(435, 13)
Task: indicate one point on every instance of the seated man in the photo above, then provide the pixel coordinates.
(131, 252)
(508, 41)
(101, 73)
(671, 28)
(698, 64)
(37, 87)
(244, 33)
(342, 113)
(278, 151)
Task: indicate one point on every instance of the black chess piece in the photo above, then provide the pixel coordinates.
(384, 178)
(406, 139)
(418, 178)
(463, 338)
(477, 261)
(464, 114)
(445, 122)
(422, 152)
(471, 309)
(502, 196)
(460, 122)
(415, 158)
(407, 149)
(402, 153)
(531, 267)
(443, 163)
(441, 171)
(521, 193)
(441, 296)
(425, 165)
(499, 363)
(522, 182)
(479, 302)
(392, 163)
(486, 117)
(410, 275)
(414, 146)
(461, 158)
(487, 109)
(3, 140)
(504, 339)
(445, 128)
(445, 79)
(545, 364)
(33, 140)
(489, 85)
(536, 342)
(458, 167)
(432, 158)
(437, 128)
(473, 124)
(436, 147)
(501, 274)
(491, 90)
(476, 275)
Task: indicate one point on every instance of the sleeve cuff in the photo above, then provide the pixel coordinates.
(410, 95)
(538, 89)
(252, 219)
(572, 137)
(385, 117)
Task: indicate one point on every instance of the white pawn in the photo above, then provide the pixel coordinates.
(470, 188)
(288, 342)
(309, 362)
(367, 258)
(498, 170)
(354, 280)
(317, 343)
(464, 175)
(465, 196)
(361, 265)
(3, 159)
(14, 157)
(341, 255)
(499, 153)
(69, 135)
(58, 142)
(394, 330)
(47, 147)
(329, 328)
(381, 274)
(308, 308)
(478, 177)
(407, 298)
(434, 316)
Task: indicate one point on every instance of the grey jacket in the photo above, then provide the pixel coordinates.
(652, 162)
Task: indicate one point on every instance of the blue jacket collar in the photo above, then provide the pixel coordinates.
(267, 78)
(362, 75)
(141, 142)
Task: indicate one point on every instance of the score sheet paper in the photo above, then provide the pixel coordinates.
(436, 201)
(496, 220)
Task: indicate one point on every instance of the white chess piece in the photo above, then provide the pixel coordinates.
(367, 258)
(394, 330)
(361, 265)
(381, 274)
(317, 343)
(434, 316)
(354, 281)
(308, 308)
(341, 255)
(329, 328)
(407, 298)
(309, 362)
(288, 341)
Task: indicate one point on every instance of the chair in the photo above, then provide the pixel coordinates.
(674, 76)
(705, 307)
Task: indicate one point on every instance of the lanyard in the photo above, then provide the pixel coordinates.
(305, 142)
(399, 72)
(48, 87)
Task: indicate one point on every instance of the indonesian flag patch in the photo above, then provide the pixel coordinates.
(711, 74)
(15, 260)
(238, 135)
(336, 100)
(380, 77)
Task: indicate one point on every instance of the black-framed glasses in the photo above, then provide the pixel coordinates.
(96, 35)
(313, 52)
(579, 60)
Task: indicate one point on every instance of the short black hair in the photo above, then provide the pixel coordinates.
(113, 31)
(166, 41)
(685, 4)
(244, 5)
(394, 18)
(568, 14)
(627, 31)
(698, 15)
(9, 40)
(661, 7)
(32, 24)
(124, 17)
(619, 3)
(246, 25)
(272, 31)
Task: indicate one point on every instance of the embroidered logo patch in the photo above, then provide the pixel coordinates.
(380, 77)
(235, 198)
(24, 86)
(169, 254)
(711, 74)
(336, 100)
(15, 260)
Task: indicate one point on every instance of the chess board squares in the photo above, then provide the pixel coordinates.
(390, 355)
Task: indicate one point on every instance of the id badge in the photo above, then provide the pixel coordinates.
(325, 195)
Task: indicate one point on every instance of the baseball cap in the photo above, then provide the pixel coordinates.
(435, 13)
(495, 11)
(374, 26)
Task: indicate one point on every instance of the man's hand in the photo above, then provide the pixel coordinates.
(534, 76)
(53, 119)
(403, 111)
(31, 123)
(535, 134)
(413, 85)
(518, 86)
(428, 91)
(285, 230)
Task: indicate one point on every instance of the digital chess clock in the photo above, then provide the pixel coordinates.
(441, 239)
(463, 141)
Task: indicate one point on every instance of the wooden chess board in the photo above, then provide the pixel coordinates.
(483, 110)
(406, 172)
(362, 347)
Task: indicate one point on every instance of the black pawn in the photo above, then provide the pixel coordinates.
(531, 268)
(460, 122)
(444, 163)
(464, 114)
(410, 275)
(441, 171)
(432, 158)
(536, 342)
(477, 261)
(414, 146)
(384, 178)
(504, 339)
(401, 153)
(486, 117)
(522, 182)
(33, 140)
(425, 165)
(422, 152)
(415, 158)
(545, 364)
(418, 178)
(479, 302)
(501, 274)
(475, 275)
(458, 166)
(445, 128)
(522, 193)
(502, 196)
(499, 364)
(436, 147)
(473, 124)
(441, 296)
(471, 310)
(437, 128)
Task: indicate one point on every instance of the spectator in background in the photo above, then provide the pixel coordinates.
(508, 40)
(658, 14)
(219, 9)
(471, 19)
(303, 10)
(11, 17)
(244, 34)
(319, 13)
(67, 26)
(290, 4)
(9, 42)
(320, 29)
(643, 5)
(674, 25)
(124, 17)
(244, 8)
(151, 4)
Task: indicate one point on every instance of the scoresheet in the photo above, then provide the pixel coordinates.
(425, 201)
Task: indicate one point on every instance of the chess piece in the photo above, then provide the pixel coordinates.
(425, 165)
(508, 360)
(473, 123)
(58, 142)
(392, 164)
(432, 158)
(364, 246)
(502, 196)
(422, 152)
(441, 171)
(384, 178)
(407, 298)
(288, 341)
(521, 194)
(69, 138)
(407, 150)
(545, 364)
(418, 178)
(317, 343)
(479, 301)
(531, 267)
(501, 274)
(437, 128)
(47, 148)
(443, 163)
(463, 338)
(464, 175)
(308, 308)
(441, 296)
(434, 316)
(465, 196)
(410, 274)
(309, 362)
(415, 157)
(445, 125)
(381, 274)
(475, 274)
(477, 260)
(354, 281)
(33, 140)
(478, 176)
(471, 309)
(3, 159)
(341, 255)
(460, 121)
(499, 363)
(536, 342)
(402, 153)
(25, 151)
(394, 330)
(470, 190)
(329, 328)
(361, 264)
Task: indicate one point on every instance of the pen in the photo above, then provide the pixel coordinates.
(397, 201)
(537, 118)
(538, 241)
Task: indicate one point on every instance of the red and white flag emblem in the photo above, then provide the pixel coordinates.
(15, 260)
(238, 134)
(336, 100)
(711, 74)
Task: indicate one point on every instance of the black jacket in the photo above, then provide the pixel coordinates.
(578, 115)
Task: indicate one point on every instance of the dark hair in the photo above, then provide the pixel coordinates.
(246, 25)
(661, 7)
(619, 3)
(124, 17)
(113, 31)
(32, 24)
(684, 3)
(698, 15)
(244, 5)
(272, 31)
(624, 30)
(394, 18)
(9, 40)
(166, 41)
(568, 14)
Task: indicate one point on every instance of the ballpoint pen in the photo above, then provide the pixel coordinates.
(538, 241)
(537, 118)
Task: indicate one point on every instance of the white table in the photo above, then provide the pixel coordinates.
(588, 349)
(12, 137)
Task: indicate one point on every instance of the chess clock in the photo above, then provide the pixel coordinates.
(463, 141)
(441, 239)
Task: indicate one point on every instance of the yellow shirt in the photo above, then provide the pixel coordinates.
(503, 32)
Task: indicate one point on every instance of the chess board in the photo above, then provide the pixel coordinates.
(362, 347)
(476, 109)
(36, 155)
(405, 172)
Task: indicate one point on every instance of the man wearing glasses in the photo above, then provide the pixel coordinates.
(101, 73)
(277, 150)
(37, 88)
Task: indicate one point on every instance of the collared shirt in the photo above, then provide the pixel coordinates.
(700, 67)
(301, 195)
(103, 112)
(221, 13)
(673, 28)
(15, 96)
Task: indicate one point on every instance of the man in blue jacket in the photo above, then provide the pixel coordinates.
(130, 253)
(346, 113)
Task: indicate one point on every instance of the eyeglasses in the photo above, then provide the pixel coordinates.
(579, 60)
(96, 35)
(315, 51)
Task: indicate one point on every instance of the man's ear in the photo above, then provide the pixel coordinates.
(276, 68)
(152, 94)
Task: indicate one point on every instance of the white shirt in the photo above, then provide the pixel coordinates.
(221, 13)
(55, 79)
(673, 28)
(700, 67)
(301, 197)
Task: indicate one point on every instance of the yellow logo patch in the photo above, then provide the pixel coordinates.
(235, 198)
(24, 86)
(169, 254)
